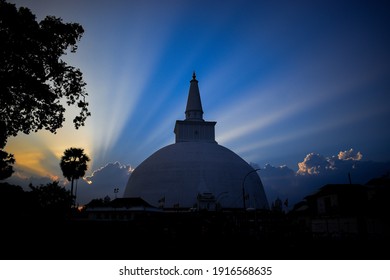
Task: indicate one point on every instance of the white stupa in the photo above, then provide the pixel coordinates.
(195, 171)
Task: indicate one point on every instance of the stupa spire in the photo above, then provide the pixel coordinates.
(194, 111)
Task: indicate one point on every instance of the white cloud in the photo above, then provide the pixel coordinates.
(313, 164)
(103, 181)
(316, 171)
(349, 155)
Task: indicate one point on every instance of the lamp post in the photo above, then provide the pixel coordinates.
(243, 188)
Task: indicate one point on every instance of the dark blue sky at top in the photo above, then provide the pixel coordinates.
(283, 79)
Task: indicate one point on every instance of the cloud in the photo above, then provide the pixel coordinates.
(313, 164)
(278, 181)
(350, 155)
(23, 179)
(103, 181)
(99, 184)
(316, 171)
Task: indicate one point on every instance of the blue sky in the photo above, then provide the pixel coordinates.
(283, 79)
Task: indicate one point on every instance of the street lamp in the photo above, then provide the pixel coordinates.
(243, 188)
(116, 190)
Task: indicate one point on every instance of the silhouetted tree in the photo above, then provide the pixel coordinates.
(12, 201)
(34, 80)
(74, 165)
(51, 199)
(6, 161)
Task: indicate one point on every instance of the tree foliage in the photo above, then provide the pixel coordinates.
(6, 159)
(74, 164)
(35, 83)
(51, 196)
(6, 162)
(43, 201)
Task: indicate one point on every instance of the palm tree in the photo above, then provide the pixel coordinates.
(74, 165)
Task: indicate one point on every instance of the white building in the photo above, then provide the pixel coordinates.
(196, 172)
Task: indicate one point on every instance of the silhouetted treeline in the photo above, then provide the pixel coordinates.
(43, 202)
(336, 222)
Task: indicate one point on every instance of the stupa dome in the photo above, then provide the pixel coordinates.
(195, 171)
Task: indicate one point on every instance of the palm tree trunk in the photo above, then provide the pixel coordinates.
(75, 193)
(71, 192)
